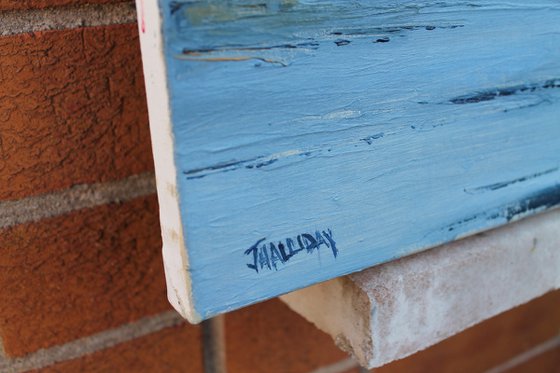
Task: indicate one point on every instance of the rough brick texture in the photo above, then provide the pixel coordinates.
(548, 362)
(40, 4)
(175, 349)
(489, 343)
(74, 275)
(72, 109)
(269, 337)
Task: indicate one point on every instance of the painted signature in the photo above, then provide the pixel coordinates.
(269, 255)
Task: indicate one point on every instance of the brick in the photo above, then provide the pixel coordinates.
(490, 343)
(391, 311)
(548, 362)
(175, 349)
(72, 109)
(353, 370)
(71, 276)
(269, 337)
(41, 4)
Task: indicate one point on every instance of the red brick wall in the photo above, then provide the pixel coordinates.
(41, 4)
(81, 278)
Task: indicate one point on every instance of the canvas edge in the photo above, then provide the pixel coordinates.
(175, 258)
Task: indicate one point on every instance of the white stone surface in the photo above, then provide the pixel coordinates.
(393, 310)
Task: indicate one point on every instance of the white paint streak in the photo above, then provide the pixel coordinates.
(336, 115)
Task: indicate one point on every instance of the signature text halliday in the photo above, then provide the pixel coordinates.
(268, 255)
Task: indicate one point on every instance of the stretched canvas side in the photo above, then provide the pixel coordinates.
(175, 256)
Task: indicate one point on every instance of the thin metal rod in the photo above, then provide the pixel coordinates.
(214, 345)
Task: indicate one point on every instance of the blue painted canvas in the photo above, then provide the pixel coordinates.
(296, 141)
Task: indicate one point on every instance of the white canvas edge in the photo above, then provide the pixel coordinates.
(175, 259)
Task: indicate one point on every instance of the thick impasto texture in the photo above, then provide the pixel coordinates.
(316, 138)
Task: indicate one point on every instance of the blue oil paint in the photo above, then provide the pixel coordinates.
(399, 125)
